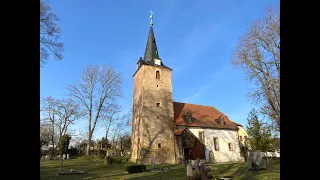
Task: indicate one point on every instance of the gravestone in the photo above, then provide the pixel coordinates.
(196, 164)
(185, 163)
(203, 172)
(153, 161)
(68, 156)
(189, 171)
(256, 161)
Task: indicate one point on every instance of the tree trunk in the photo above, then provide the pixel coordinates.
(88, 144)
(106, 157)
(121, 147)
(53, 148)
(61, 154)
(52, 139)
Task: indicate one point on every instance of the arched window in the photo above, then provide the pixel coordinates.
(157, 75)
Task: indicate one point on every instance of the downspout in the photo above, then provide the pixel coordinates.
(174, 146)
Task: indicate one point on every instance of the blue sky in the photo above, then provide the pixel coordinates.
(194, 38)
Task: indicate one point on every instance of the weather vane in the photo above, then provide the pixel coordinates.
(151, 17)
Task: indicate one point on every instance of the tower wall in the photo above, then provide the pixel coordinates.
(153, 126)
(136, 113)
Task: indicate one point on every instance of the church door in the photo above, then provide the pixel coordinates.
(186, 153)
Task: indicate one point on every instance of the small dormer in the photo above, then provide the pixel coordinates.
(188, 117)
(220, 121)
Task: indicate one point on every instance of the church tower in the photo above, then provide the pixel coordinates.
(152, 116)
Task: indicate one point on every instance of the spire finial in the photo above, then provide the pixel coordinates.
(151, 17)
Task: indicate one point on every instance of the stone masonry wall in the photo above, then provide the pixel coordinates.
(154, 123)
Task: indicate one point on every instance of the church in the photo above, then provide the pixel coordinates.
(171, 132)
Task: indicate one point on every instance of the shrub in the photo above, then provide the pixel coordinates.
(72, 151)
(100, 152)
(113, 159)
(116, 159)
(132, 168)
(93, 152)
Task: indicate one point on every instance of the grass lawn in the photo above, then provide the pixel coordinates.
(239, 171)
(97, 170)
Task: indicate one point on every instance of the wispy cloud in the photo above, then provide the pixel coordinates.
(194, 44)
(201, 38)
(215, 78)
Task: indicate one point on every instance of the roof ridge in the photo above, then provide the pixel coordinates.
(202, 106)
(193, 104)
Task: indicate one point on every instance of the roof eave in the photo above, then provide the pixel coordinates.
(220, 128)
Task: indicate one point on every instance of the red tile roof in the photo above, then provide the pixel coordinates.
(202, 116)
(179, 131)
(237, 124)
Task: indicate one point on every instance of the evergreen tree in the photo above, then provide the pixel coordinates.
(260, 137)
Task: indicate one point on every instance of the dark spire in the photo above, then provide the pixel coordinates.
(151, 48)
(151, 55)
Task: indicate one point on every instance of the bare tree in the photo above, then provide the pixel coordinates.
(60, 114)
(97, 88)
(49, 109)
(78, 140)
(125, 144)
(121, 130)
(49, 34)
(129, 117)
(121, 127)
(258, 54)
(45, 135)
(78, 137)
(110, 115)
(68, 113)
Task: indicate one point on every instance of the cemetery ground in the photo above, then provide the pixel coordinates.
(96, 170)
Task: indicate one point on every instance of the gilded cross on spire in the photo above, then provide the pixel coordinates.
(151, 17)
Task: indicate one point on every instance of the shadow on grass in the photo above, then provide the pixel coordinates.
(239, 171)
(97, 170)
(93, 171)
(172, 174)
(272, 172)
(224, 169)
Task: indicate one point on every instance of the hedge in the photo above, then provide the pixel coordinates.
(135, 168)
(116, 159)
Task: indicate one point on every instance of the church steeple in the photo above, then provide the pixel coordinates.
(151, 52)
